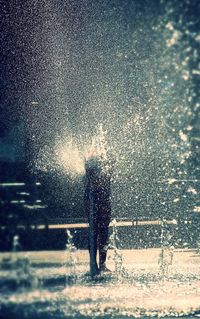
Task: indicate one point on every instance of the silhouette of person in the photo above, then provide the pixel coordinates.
(97, 199)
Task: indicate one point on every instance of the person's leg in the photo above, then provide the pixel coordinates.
(103, 244)
(93, 237)
(93, 234)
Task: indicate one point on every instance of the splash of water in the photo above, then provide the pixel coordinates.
(71, 261)
(117, 257)
(16, 244)
(69, 156)
(166, 255)
(22, 274)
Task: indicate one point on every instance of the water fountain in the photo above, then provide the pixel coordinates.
(16, 244)
(17, 271)
(117, 255)
(141, 86)
(71, 260)
(137, 291)
(166, 254)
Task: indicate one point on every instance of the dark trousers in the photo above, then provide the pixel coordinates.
(99, 228)
(98, 210)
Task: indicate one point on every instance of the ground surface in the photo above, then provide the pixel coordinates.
(134, 256)
(137, 287)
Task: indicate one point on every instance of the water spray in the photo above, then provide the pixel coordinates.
(71, 261)
(113, 243)
(166, 254)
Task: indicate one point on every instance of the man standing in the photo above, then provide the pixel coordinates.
(98, 207)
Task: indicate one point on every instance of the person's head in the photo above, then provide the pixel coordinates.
(93, 166)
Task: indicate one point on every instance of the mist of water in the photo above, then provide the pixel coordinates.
(131, 71)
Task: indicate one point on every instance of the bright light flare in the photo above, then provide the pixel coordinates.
(70, 158)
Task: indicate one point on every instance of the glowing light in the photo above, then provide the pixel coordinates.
(70, 158)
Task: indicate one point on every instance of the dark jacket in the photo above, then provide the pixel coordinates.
(98, 182)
